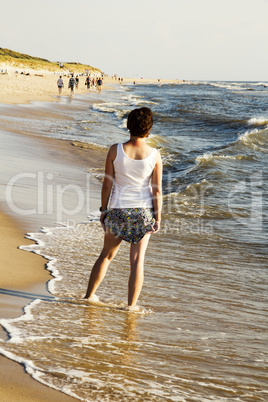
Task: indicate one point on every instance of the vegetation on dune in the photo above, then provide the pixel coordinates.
(21, 60)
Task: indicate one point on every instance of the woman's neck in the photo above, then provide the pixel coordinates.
(136, 140)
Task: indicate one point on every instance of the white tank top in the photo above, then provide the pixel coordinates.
(132, 182)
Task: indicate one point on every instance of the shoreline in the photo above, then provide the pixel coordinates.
(25, 279)
(39, 85)
(24, 275)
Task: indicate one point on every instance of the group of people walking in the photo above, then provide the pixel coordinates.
(94, 83)
(74, 83)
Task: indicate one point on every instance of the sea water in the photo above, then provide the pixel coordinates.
(200, 333)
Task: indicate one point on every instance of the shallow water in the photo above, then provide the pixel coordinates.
(201, 331)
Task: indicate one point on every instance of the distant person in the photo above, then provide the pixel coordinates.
(87, 83)
(99, 84)
(60, 84)
(72, 84)
(76, 81)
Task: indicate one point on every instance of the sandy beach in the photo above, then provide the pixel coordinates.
(23, 274)
(37, 86)
(16, 87)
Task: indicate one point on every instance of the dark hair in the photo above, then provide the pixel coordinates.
(140, 122)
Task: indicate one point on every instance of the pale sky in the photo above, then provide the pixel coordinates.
(184, 39)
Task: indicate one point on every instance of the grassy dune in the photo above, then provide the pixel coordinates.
(20, 60)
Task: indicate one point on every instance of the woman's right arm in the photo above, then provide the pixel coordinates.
(108, 181)
(157, 191)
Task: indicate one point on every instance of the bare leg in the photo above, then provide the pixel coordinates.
(110, 248)
(137, 254)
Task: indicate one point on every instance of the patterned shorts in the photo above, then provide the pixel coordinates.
(130, 224)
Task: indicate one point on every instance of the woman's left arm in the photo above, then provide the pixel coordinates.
(157, 191)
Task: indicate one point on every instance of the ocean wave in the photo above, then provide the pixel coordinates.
(88, 121)
(256, 140)
(133, 99)
(228, 85)
(258, 121)
(210, 158)
(123, 124)
(122, 114)
(108, 107)
(238, 87)
(193, 190)
(262, 84)
(156, 140)
(196, 202)
(191, 204)
(190, 115)
(119, 109)
(168, 159)
(138, 100)
(197, 188)
(89, 145)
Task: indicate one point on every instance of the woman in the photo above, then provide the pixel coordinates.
(60, 85)
(133, 179)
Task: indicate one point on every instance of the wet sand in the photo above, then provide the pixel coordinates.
(23, 274)
(16, 386)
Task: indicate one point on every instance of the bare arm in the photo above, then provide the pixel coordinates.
(157, 191)
(108, 181)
